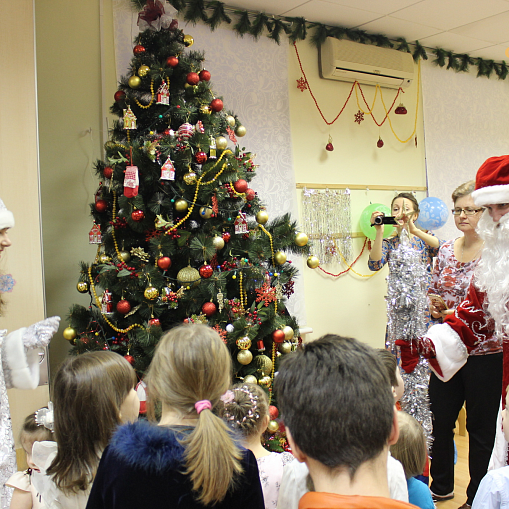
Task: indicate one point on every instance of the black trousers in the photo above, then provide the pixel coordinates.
(479, 384)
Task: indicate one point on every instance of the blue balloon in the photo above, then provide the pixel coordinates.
(433, 214)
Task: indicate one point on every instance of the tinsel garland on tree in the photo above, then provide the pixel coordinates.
(406, 308)
(255, 23)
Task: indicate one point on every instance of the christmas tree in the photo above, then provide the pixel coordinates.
(181, 234)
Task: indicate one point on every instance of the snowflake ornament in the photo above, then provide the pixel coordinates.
(359, 117)
(6, 283)
(266, 293)
(302, 84)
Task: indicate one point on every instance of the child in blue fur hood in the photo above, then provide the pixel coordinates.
(189, 460)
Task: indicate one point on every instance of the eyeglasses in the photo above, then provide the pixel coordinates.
(467, 211)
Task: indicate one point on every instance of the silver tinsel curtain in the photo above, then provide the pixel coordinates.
(407, 303)
(327, 222)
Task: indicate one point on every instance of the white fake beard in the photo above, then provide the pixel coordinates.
(492, 272)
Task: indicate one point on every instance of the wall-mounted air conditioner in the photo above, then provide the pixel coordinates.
(345, 60)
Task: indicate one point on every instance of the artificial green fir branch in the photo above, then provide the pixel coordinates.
(319, 35)
(465, 62)
(501, 70)
(353, 35)
(279, 27)
(180, 5)
(337, 32)
(218, 15)
(419, 52)
(452, 61)
(440, 55)
(298, 29)
(260, 22)
(195, 11)
(382, 41)
(243, 25)
(403, 45)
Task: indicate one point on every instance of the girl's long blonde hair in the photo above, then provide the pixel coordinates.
(88, 391)
(190, 364)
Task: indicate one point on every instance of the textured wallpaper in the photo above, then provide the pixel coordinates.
(465, 121)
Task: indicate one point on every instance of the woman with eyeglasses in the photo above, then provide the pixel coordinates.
(478, 379)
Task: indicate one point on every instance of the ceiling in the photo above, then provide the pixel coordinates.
(479, 28)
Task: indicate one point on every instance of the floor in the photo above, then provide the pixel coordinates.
(461, 477)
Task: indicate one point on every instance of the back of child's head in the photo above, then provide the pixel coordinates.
(33, 431)
(87, 393)
(245, 407)
(190, 371)
(410, 449)
(336, 400)
(390, 363)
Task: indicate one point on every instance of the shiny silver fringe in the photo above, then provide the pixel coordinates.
(407, 303)
(327, 222)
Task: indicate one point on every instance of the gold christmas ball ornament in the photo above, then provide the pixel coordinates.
(188, 40)
(188, 275)
(244, 343)
(104, 258)
(262, 217)
(265, 381)
(180, 205)
(221, 142)
(206, 213)
(245, 357)
(301, 239)
(273, 426)
(134, 81)
(250, 379)
(82, 287)
(69, 333)
(151, 293)
(289, 333)
(313, 262)
(285, 347)
(230, 120)
(143, 70)
(125, 256)
(240, 131)
(280, 258)
(218, 242)
(190, 178)
(205, 109)
(264, 364)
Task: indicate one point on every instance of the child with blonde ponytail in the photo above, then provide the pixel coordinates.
(190, 459)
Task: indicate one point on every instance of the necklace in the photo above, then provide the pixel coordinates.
(463, 250)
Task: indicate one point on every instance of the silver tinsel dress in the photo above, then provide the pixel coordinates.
(19, 357)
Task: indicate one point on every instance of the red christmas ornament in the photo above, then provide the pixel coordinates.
(108, 172)
(154, 322)
(139, 49)
(380, 143)
(240, 186)
(273, 412)
(400, 110)
(101, 205)
(278, 336)
(209, 308)
(123, 306)
(200, 157)
(204, 75)
(172, 61)
(193, 78)
(250, 194)
(216, 105)
(137, 215)
(129, 359)
(261, 346)
(164, 263)
(329, 147)
(206, 271)
(226, 236)
(119, 95)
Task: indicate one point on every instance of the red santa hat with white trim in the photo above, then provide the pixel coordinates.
(6, 217)
(492, 182)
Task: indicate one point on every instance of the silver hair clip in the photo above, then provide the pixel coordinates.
(44, 417)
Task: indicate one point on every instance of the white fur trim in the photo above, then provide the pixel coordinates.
(499, 453)
(23, 366)
(491, 194)
(451, 352)
(6, 218)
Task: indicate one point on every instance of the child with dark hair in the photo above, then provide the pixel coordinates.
(411, 450)
(338, 409)
(391, 365)
(246, 408)
(35, 428)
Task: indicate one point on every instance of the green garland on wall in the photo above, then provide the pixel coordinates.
(214, 13)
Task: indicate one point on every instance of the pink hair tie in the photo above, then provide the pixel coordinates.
(203, 404)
